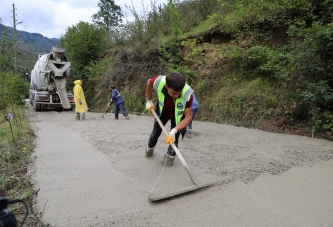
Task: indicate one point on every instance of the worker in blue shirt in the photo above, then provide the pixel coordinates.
(118, 102)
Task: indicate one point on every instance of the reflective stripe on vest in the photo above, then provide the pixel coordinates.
(118, 94)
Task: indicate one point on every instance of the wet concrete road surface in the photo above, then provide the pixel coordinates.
(95, 173)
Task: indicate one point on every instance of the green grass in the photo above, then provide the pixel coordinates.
(204, 26)
(25, 60)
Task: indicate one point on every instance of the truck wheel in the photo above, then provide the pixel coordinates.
(42, 107)
(36, 106)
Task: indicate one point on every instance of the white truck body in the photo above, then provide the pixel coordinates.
(48, 81)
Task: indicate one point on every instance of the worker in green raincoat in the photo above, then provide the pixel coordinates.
(80, 102)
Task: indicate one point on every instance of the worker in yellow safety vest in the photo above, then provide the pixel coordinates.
(174, 103)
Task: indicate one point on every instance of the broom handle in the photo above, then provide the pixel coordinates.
(176, 149)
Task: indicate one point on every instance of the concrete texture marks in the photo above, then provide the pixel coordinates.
(95, 173)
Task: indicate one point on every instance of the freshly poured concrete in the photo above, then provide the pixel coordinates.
(95, 173)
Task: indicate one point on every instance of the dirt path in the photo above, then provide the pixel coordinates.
(94, 173)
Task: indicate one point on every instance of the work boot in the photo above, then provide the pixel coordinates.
(115, 118)
(127, 117)
(149, 151)
(188, 133)
(77, 116)
(168, 160)
(83, 116)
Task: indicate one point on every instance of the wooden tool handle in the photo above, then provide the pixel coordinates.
(175, 149)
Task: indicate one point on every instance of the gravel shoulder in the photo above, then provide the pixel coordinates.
(94, 173)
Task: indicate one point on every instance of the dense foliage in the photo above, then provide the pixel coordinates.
(6, 51)
(84, 43)
(13, 90)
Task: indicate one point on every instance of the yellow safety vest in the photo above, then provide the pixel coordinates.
(180, 101)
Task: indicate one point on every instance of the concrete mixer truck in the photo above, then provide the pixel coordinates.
(48, 82)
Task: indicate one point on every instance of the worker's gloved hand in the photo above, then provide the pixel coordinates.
(171, 136)
(80, 102)
(149, 105)
(108, 106)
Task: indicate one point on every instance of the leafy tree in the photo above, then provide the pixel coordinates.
(109, 16)
(84, 42)
(174, 18)
(6, 51)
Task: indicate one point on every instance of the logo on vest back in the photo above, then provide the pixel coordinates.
(179, 106)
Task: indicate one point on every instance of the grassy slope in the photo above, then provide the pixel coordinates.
(224, 94)
(25, 60)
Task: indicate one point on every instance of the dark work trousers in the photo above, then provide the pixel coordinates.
(120, 106)
(157, 130)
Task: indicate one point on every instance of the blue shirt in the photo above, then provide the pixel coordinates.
(116, 97)
(195, 104)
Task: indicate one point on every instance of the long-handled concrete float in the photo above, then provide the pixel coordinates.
(153, 197)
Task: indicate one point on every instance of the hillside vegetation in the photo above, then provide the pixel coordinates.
(257, 64)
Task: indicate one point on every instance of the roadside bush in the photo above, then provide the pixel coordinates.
(170, 53)
(322, 45)
(133, 102)
(311, 68)
(318, 98)
(241, 101)
(13, 90)
(262, 62)
(312, 58)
